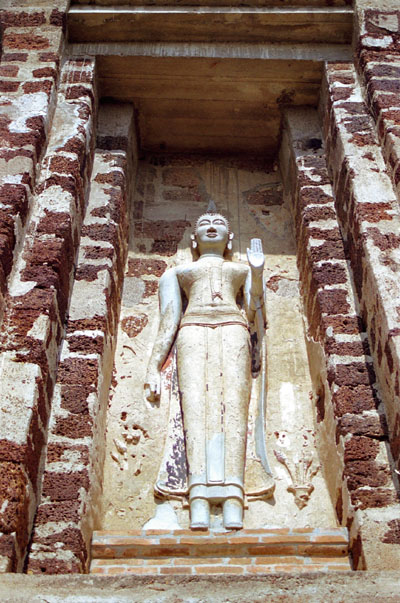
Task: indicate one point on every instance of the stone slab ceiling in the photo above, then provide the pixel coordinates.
(210, 78)
(202, 24)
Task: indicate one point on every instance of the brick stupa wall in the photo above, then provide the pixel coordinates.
(65, 182)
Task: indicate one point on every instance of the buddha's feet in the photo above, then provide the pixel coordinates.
(199, 514)
(233, 514)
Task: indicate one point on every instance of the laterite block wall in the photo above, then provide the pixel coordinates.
(67, 164)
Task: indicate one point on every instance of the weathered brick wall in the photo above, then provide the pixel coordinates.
(39, 288)
(352, 428)
(48, 121)
(369, 216)
(378, 65)
(71, 495)
(32, 44)
(347, 225)
(361, 119)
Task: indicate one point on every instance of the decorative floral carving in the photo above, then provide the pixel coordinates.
(301, 471)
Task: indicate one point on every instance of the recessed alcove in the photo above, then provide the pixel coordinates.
(208, 120)
(210, 78)
(171, 192)
(216, 100)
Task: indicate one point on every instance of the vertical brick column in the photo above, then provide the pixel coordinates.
(71, 495)
(37, 300)
(378, 61)
(370, 219)
(351, 427)
(29, 70)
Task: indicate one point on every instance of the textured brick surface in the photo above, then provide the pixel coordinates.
(345, 188)
(369, 217)
(77, 421)
(245, 552)
(347, 403)
(32, 42)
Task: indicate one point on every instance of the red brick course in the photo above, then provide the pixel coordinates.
(245, 552)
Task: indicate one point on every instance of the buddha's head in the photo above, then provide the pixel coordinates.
(212, 234)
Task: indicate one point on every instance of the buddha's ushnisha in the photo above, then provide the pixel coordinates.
(214, 364)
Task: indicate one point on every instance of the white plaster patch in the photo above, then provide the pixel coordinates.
(314, 177)
(18, 396)
(4, 507)
(164, 518)
(40, 328)
(83, 355)
(317, 205)
(55, 199)
(53, 527)
(12, 179)
(335, 359)
(288, 288)
(64, 350)
(287, 400)
(336, 286)
(87, 333)
(346, 337)
(93, 401)
(382, 42)
(65, 125)
(28, 105)
(90, 220)
(327, 224)
(88, 298)
(67, 465)
(87, 241)
(386, 21)
(133, 291)
(19, 287)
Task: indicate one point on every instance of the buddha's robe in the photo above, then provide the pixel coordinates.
(214, 373)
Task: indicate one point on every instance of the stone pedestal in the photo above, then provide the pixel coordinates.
(246, 552)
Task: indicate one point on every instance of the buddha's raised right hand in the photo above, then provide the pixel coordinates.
(152, 385)
(255, 256)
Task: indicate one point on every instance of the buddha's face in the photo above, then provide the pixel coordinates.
(212, 233)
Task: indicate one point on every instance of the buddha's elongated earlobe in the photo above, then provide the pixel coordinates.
(229, 243)
(193, 240)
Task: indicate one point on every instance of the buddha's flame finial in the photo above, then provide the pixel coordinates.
(211, 208)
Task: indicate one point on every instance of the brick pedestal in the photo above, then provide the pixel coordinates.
(246, 552)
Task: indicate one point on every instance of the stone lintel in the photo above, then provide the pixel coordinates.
(224, 24)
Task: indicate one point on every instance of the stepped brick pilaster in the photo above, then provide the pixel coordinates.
(37, 300)
(71, 496)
